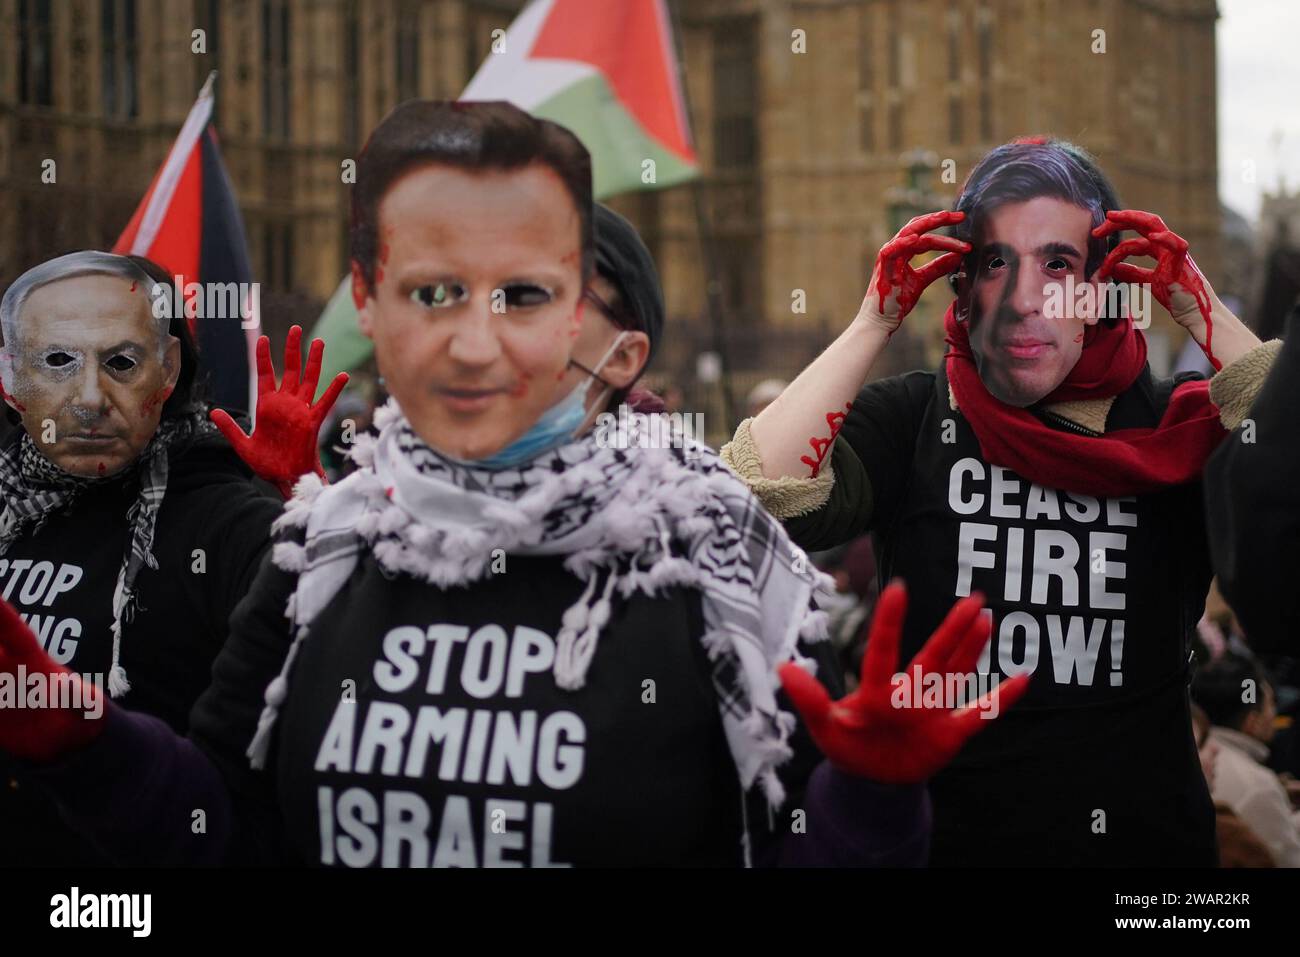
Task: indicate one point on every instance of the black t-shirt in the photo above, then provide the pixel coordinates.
(423, 726)
(1096, 598)
(212, 529)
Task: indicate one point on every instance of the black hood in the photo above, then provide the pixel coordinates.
(623, 259)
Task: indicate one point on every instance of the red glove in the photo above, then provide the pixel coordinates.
(864, 734)
(895, 286)
(283, 446)
(47, 733)
(1175, 281)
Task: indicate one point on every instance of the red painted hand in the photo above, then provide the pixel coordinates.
(283, 446)
(895, 286)
(864, 734)
(1175, 281)
(46, 733)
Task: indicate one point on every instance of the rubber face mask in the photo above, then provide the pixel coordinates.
(557, 426)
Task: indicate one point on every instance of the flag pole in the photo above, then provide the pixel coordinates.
(712, 283)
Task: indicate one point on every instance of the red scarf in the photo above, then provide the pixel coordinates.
(1124, 462)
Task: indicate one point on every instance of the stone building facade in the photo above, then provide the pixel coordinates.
(821, 126)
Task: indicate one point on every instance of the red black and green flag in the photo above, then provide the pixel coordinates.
(189, 223)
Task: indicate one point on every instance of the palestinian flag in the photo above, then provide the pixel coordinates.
(189, 223)
(606, 71)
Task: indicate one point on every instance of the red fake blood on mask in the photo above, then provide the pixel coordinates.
(821, 446)
(358, 286)
(518, 391)
(379, 275)
(134, 283)
(156, 400)
(101, 468)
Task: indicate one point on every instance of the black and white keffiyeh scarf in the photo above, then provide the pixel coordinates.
(624, 519)
(32, 488)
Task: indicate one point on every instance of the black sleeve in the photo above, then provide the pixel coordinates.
(1252, 499)
(225, 718)
(247, 551)
(872, 458)
(767, 829)
(236, 538)
(135, 791)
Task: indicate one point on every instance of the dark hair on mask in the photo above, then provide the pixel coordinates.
(1219, 687)
(1029, 167)
(190, 392)
(469, 136)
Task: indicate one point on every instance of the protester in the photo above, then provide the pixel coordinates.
(352, 416)
(852, 566)
(506, 643)
(1238, 844)
(1252, 493)
(1237, 698)
(130, 529)
(1044, 466)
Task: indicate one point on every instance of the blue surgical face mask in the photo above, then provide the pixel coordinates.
(557, 426)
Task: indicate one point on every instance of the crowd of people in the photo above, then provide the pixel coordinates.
(945, 618)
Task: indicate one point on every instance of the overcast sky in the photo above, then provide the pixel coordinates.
(1259, 98)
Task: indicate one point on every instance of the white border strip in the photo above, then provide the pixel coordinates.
(194, 126)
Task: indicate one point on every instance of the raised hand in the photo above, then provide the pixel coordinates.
(48, 733)
(864, 734)
(284, 444)
(1176, 282)
(895, 286)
